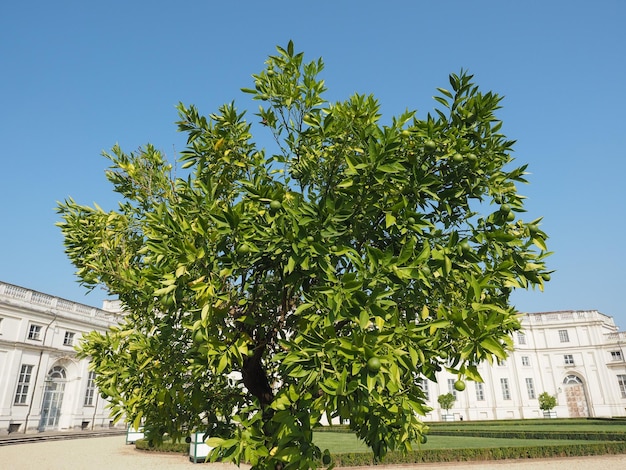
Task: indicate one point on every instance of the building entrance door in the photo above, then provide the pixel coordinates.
(576, 397)
(52, 399)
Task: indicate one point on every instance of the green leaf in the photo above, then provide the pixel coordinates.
(437, 324)
(540, 243)
(494, 347)
(441, 100)
(165, 290)
(291, 264)
(364, 319)
(390, 220)
(215, 442)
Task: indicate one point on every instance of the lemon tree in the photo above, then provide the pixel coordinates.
(330, 273)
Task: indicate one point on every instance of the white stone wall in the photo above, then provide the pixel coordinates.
(61, 324)
(592, 337)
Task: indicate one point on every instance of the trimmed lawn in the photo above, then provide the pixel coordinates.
(345, 442)
(558, 425)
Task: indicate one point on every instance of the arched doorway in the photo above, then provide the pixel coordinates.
(576, 397)
(52, 398)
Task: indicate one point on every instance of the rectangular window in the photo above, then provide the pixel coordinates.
(424, 385)
(451, 388)
(90, 392)
(616, 356)
(621, 380)
(506, 391)
(563, 336)
(23, 384)
(1, 325)
(568, 359)
(34, 331)
(521, 338)
(68, 339)
(480, 391)
(525, 361)
(530, 388)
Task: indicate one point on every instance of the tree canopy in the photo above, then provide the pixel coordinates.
(330, 274)
(446, 401)
(547, 401)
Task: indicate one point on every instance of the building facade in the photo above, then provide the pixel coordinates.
(577, 356)
(43, 385)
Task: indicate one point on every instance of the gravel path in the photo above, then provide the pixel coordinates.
(112, 453)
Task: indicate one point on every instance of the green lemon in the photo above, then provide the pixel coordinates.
(168, 301)
(243, 249)
(459, 385)
(198, 337)
(373, 364)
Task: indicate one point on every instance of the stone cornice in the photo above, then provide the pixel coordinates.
(20, 299)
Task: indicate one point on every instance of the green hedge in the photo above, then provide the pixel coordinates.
(461, 455)
(333, 428)
(619, 421)
(590, 435)
(165, 446)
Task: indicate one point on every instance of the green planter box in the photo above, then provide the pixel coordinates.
(198, 450)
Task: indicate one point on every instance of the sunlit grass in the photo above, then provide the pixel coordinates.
(339, 442)
(345, 442)
(558, 426)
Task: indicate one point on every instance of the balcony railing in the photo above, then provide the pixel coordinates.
(565, 316)
(10, 291)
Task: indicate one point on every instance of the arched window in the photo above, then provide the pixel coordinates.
(572, 380)
(56, 373)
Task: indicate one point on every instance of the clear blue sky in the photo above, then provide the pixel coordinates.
(76, 77)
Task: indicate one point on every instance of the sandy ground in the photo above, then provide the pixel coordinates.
(112, 453)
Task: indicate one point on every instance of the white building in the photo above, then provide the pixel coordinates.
(43, 386)
(578, 356)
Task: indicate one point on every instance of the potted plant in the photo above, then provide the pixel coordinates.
(445, 402)
(546, 403)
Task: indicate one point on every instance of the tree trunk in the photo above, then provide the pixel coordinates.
(255, 378)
